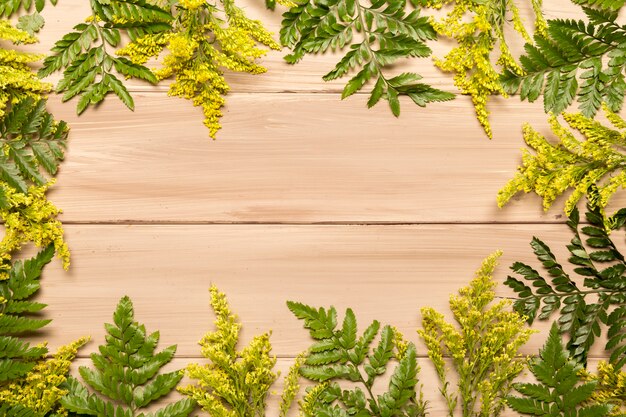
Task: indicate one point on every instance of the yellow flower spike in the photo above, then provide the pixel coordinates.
(571, 163)
(192, 4)
(478, 27)
(31, 218)
(484, 349)
(610, 388)
(200, 47)
(235, 383)
(41, 389)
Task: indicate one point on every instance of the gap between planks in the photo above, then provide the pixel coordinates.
(293, 223)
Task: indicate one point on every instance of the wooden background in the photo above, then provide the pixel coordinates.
(302, 197)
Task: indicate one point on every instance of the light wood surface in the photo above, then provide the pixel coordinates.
(387, 272)
(302, 197)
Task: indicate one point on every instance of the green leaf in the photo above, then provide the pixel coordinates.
(348, 331)
(560, 390)
(386, 33)
(394, 102)
(31, 23)
(584, 307)
(83, 57)
(338, 360)
(569, 57)
(26, 130)
(126, 371)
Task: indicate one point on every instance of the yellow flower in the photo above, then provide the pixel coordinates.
(30, 218)
(571, 163)
(235, 383)
(40, 390)
(484, 346)
(192, 4)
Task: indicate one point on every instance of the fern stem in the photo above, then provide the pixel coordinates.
(367, 43)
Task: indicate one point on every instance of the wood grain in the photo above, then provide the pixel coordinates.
(294, 158)
(383, 272)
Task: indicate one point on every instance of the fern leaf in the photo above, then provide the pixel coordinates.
(561, 390)
(125, 372)
(29, 133)
(10, 7)
(82, 54)
(17, 357)
(338, 358)
(390, 33)
(401, 386)
(584, 306)
(601, 4)
(572, 50)
(348, 331)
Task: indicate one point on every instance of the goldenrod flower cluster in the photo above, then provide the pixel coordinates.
(400, 343)
(29, 218)
(192, 4)
(571, 163)
(17, 79)
(145, 47)
(483, 347)
(309, 401)
(611, 387)
(41, 389)
(235, 383)
(292, 385)
(478, 27)
(205, 41)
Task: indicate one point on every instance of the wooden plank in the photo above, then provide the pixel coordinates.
(383, 272)
(295, 158)
(306, 76)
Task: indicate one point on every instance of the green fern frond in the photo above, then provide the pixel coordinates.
(560, 388)
(340, 357)
(235, 383)
(601, 4)
(586, 305)
(126, 374)
(30, 138)
(17, 357)
(479, 28)
(575, 59)
(386, 33)
(484, 347)
(9, 7)
(572, 164)
(89, 70)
